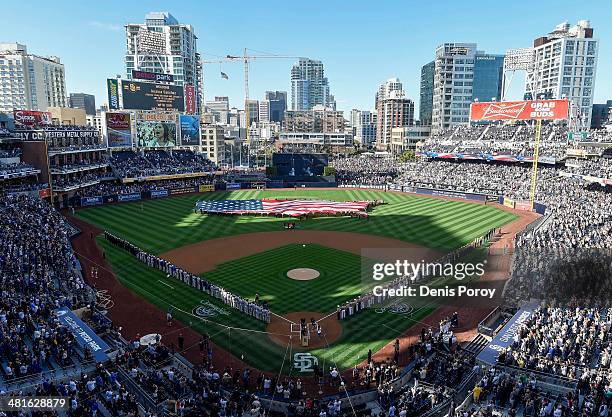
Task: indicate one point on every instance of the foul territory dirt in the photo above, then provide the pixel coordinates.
(206, 255)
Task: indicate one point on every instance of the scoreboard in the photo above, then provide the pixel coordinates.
(147, 96)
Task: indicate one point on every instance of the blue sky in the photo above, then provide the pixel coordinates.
(361, 43)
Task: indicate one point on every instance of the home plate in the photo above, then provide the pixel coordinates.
(303, 274)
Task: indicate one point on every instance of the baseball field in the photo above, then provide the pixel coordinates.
(251, 255)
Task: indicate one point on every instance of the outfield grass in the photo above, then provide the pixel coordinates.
(160, 225)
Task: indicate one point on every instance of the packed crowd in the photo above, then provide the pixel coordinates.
(112, 187)
(563, 341)
(597, 167)
(365, 169)
(128, 164)
(37, 275)
(20, 168)
(501, 393)
(515, 140)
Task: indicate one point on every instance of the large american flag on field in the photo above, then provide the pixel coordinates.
(283, 207)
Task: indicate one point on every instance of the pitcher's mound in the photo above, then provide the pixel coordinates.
(303, 274)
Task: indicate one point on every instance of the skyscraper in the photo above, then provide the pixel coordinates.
(393, 110)
(564, 65)
(461, 75)
(488, 76)
(426, 93)
(164, 45)
(253, 112)
(453, 80)
(30, 82)
(277, 105)
(309, 86)
(83, 101)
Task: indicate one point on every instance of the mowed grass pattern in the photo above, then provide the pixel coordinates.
(265, 273)
(160, 225)
(243, 336)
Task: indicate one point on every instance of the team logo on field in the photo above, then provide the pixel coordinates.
(304, 362)
(398, 308)
(208, 309)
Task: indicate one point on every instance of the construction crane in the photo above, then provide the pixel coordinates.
(246, 59)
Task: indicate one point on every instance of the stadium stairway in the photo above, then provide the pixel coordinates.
(476, 345)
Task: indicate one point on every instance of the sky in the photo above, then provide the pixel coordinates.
(361, 43)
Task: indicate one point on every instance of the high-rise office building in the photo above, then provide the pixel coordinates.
(426, 93)
(309, 86)
(564, 66)
(453, 81)
(164, 45)
(488, 77)
(83, 101)
(278, 105)
(30, 82)
(253, 112)
(219, 108)
(364, 127)
(462, 74)
(393, 110)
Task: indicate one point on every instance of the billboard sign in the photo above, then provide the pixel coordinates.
(31, 118)
(112, 86)
(520, 110)
(118, 130)
(156, 134)
(152, 76)
(190, 130)
(190, 101)
(148, 96)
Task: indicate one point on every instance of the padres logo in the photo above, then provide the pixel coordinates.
(304, 362)
(207, 309)
(399, 308)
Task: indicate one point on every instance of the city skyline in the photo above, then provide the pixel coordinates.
(354, 65)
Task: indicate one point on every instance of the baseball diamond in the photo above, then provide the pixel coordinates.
(219, 249)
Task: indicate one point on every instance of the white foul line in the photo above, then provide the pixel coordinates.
(167, 285)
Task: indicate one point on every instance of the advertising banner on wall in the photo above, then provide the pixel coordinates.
(118, 129)
(159, 193)
(31, 118)
(520, 110)
(505, 337)
(128, 197)
(206, 188)
(190, 130)
(91, 201)
(83, 334)
(190, 99)
(156, 134)
(148, 96)
(112, 86)
(152, 76)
